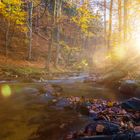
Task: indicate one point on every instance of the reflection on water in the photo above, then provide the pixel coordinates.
(25, 116)
(91, 90)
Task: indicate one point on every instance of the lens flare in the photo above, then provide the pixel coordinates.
(6, 90)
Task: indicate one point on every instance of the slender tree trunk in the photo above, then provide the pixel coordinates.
(68, 58)
(7, 34)
(37, 24)
(51, 37)
(58, 46)
(49, 52)
(54, 10)
(105, 22)
(120, 19)
(7, 38)
(59, 5)
(125, 19)
(30, 6)
(110, 24)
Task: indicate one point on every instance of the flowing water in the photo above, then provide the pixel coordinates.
(26, 115)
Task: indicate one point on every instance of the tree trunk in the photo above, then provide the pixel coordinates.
(49, 52)
(125, 19)
(7, 38)
(37, 24)
(105, 22)
(110, 24)
(120, 19)
(30, 6)
(58, 14)
(54, 10)
(58, 46)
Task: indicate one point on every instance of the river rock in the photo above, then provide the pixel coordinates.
(30, 90)
(132, 104)
(112, 78)
(128, 87)
(83, 110)
(137, 92)
(57, 88)
(63, 103)
(43, 89)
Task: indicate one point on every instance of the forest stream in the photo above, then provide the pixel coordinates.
(27, 115)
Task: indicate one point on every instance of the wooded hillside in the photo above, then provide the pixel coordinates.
(64, 33)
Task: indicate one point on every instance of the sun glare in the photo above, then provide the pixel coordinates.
(6, 90)
(119, 52)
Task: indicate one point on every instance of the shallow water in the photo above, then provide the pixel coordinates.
(27, 116)
(92, 90)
